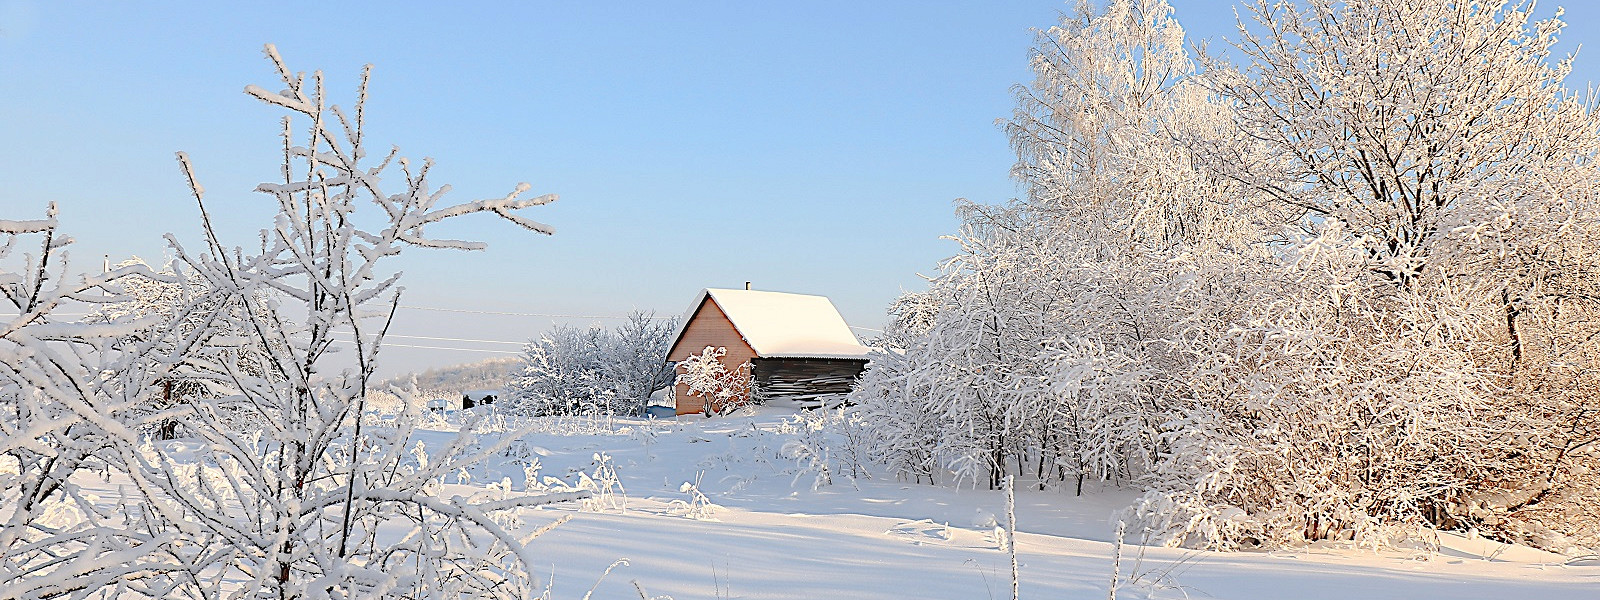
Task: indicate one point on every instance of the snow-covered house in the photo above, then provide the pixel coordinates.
(798, 346)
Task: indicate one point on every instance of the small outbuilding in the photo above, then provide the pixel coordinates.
(471, 398)
(798, 346)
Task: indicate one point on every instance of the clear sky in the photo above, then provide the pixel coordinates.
(811, 147)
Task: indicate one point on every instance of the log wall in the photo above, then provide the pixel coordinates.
(803, 380)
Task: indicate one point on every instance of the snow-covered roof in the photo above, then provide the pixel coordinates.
(779, 324)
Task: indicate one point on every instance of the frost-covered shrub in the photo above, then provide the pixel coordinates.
(722, 389)
(594, 371)
(696, 505)
(906, 435)
(1298, 423)
(826, 442)
(561, 375)
(1352, 409)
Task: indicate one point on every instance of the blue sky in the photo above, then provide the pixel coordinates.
(807, 147)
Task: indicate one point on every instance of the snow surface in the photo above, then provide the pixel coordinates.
(780, 324)
(770, 534)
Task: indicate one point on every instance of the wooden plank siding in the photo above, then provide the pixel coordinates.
(708, 327)
(803, 380)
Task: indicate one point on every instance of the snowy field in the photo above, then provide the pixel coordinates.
(773, 532)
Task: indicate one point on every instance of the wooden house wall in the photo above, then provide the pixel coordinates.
(708, 327)
(803, 379)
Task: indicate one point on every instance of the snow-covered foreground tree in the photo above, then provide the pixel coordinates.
(594, 371)
(71, 403)
(1052, 344)
(1436, 152)
(311, 505)
(1341, 292)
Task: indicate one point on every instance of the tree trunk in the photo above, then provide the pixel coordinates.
(1512, 312)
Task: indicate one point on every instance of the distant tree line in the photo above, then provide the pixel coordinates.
(452, 381)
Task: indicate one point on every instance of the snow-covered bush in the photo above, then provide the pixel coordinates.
(827, 442)
(722, 389)
(594, 371)
(561, 375)
(894, 393)
(1331, 410)
(697, 505)
(809, 448)
(185, 310)
(317, 490)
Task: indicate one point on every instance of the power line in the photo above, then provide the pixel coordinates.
(519, 314)
(445, 339)
(439, 339)
(387, 344)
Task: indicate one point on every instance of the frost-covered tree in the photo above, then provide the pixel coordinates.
(561, 374)
(594, 371)
(314, 504)
(183, 310)
(1118, 243)
(1342, 291)
(1422, 127)
(317, 490)
(707, 376)
(71, 404)
(637, 363)
(1444, 174)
